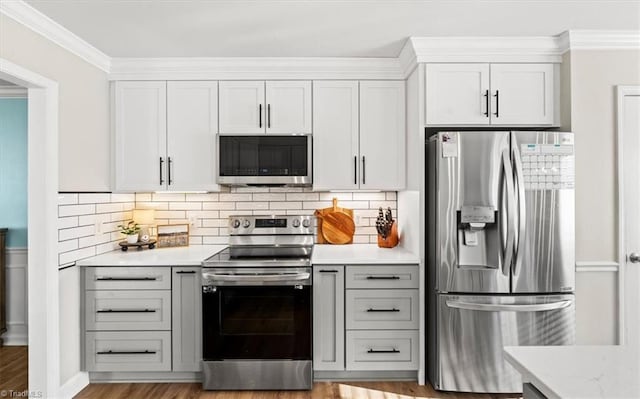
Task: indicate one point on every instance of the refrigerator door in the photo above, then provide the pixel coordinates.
(472, 331)
(472, 226)
(544, 260)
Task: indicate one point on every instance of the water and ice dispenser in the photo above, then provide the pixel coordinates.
(478, 237)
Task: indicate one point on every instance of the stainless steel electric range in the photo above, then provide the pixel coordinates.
(256, 306)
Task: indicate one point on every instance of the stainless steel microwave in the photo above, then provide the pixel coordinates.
(264, 160)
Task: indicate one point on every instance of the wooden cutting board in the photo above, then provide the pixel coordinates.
(337, 229)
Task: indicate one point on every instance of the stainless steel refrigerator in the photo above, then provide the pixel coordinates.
(500, 253)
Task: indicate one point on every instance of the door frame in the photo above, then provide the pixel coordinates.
(621, 92)
(42, 227)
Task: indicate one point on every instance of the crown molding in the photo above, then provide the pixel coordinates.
(178, 68)
(600, 40)
(13, 92)
(33, 19)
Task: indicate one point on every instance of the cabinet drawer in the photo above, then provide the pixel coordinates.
(128, 310)
(392, 276)
(128, 278)
(128, 351)
(380, 309)
(382, 350)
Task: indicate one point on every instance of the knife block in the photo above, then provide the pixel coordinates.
(391, 240)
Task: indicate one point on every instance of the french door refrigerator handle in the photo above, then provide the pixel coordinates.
(522, 210)
(509, 246)
(489, 307)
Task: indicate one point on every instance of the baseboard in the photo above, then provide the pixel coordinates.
(152, 376)
(16, 335)
(365, 375)
(74, 385)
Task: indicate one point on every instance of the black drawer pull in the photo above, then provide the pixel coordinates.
(328, 271)
(383, 310)
(186, 272)
(394, 350)
(383, 277)
(126, 279)
(147, 352)
(126, 311)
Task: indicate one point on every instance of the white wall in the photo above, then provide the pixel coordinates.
(84, 105)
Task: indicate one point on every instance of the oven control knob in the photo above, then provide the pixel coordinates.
(246, 223)
(235, 223)
(296, 223)
(306, 222)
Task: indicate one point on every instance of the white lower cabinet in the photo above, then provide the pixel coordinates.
(366, 317)
(128, 351)
(187, 319)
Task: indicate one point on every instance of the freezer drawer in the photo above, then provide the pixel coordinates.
(472, 331)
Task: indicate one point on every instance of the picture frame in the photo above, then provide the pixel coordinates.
(173, 235)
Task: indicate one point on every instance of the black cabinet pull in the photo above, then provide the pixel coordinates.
(383, 277)
(169, 170)
(268, 116)
(161, 163)
(147, 352)
(364, 168)
(383, 310)
(497, 96)
(126, 279)
(260, 115)
(328, 271)
(486, 101)
(355, 169)
(394, 350)
(126, 311)
(186, 272)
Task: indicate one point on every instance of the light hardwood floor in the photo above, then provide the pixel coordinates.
(14, 371)
(321, 390)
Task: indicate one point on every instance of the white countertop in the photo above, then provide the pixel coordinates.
(579, 372)
(354, 254)
(180, 256)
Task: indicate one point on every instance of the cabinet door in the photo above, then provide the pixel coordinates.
(522, 94)
(457, 94)
(382, 135)
(288, 107)
(335, 135)
(187, 319)
(192, 122)
(328, 317)
(242, 107)
(140, 136)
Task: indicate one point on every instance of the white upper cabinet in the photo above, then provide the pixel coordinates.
(288, 107)
(382, 135)
(192, 121)
(140, 136)
(335, 135)
(274, 107)
(490, 94)
(165, 136)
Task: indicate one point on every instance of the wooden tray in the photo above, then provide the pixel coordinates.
(326, 211)
(125, 245)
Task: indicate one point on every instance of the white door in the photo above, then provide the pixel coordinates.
(457, 94)
(288, 107)
(382, 135)
(628, 105)
(140, 136)
(192, 125)
(335, 135)
(242, 107)
(522, 94)
(328, 313)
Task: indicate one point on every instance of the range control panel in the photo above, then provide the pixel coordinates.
(548, 166)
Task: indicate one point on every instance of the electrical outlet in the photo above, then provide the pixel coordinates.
(193, 220)
(98, 228)
(358, 220)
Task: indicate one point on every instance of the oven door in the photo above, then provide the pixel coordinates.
(264, 159)
(256, 314)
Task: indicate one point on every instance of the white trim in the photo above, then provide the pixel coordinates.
(74, 385)
(42, 276)
(13, 92)
(597, 266)
(33, 19)
(600, 40)
(621, 92)
(230, 68)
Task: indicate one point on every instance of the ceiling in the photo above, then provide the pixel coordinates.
(317, 28)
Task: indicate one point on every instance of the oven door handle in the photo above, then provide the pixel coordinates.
(254, 278)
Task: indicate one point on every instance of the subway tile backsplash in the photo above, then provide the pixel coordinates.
(80, 214)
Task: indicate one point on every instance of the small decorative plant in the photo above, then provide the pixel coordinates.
(131, 230)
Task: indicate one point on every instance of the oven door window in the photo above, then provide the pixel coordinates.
(257, 322)
(263, 155)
